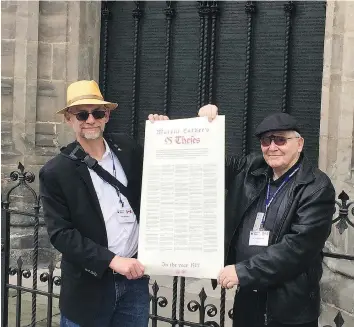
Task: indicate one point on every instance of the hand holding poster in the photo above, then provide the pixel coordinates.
(182, 202)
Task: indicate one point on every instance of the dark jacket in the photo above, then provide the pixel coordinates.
(76, 225)
(290, 268)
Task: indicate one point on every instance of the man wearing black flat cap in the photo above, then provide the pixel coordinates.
(278, 216)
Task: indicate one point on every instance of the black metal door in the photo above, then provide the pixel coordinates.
(249, 58)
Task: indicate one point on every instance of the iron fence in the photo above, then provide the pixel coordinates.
(207, 311)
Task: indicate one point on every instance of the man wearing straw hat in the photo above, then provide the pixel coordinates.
(93, 220)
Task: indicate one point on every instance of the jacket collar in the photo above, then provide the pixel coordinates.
(305, 174)
(121, 154)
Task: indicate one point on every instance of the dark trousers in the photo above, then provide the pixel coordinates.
(249, 311)
(125, 303)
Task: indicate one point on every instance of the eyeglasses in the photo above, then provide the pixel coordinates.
(278, 140)
(84, 115)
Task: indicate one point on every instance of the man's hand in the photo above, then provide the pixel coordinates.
(209, 111)
(129, 267)
(155, 117)
(228, 277)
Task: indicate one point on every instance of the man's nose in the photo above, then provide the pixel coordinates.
(273, 146)
(90, 119)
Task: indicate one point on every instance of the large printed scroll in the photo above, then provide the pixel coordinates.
(182, 203)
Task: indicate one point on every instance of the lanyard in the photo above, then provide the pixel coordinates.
(268, 200)
(115, 176)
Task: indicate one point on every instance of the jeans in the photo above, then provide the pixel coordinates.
(126, 304)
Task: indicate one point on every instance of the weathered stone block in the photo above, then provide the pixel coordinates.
(45, 128)
(44, 108)
(86, 62)
(59, 61)
(27, 21)
(46, 88)
(24, 136)
(10, 156)
(349, 19)
(8, 6)
(19, 103)
(7, 85)
(31, 105)
(65, 134)
(6, 107)
(6, 138)
(337, 53)
(348, 55)
(45, 140)
(8, 19)
(51, 28)
(38, 159)
(45, 60)
(7, 58)
(8, 26)
(45, 256)
(22, 237)
(19, 133)
(51, 98)
(32, 61)
(50, 8)
(339, 17)
(6, 126)
(45, 153)
(20, 67)
(33, 18)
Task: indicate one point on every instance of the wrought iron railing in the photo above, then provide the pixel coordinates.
(206, 310)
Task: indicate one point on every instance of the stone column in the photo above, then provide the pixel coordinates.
(337, 151)
(46, 45)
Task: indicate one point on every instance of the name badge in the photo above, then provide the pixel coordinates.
(259, 238)
(258, 221)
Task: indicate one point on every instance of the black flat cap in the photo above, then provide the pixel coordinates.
(277, 122)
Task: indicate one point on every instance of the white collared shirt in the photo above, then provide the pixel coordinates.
(121, 224)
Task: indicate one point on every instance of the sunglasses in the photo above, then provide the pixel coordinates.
(278, 140)
(84, 115)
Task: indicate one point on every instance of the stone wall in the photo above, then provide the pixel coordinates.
(337, 151)
(45, 47)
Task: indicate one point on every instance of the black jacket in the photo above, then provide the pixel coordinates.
(290, 268)
(76, 225)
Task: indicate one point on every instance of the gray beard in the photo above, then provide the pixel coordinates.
(92, 136)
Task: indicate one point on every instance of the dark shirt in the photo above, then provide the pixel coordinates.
(240, 242)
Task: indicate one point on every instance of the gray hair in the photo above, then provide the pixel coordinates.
(297, 135)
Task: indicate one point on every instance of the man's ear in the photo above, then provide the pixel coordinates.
(67, 117)
(108, 113)
(301, 144)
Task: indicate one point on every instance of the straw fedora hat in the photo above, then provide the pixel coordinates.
(85, 92)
